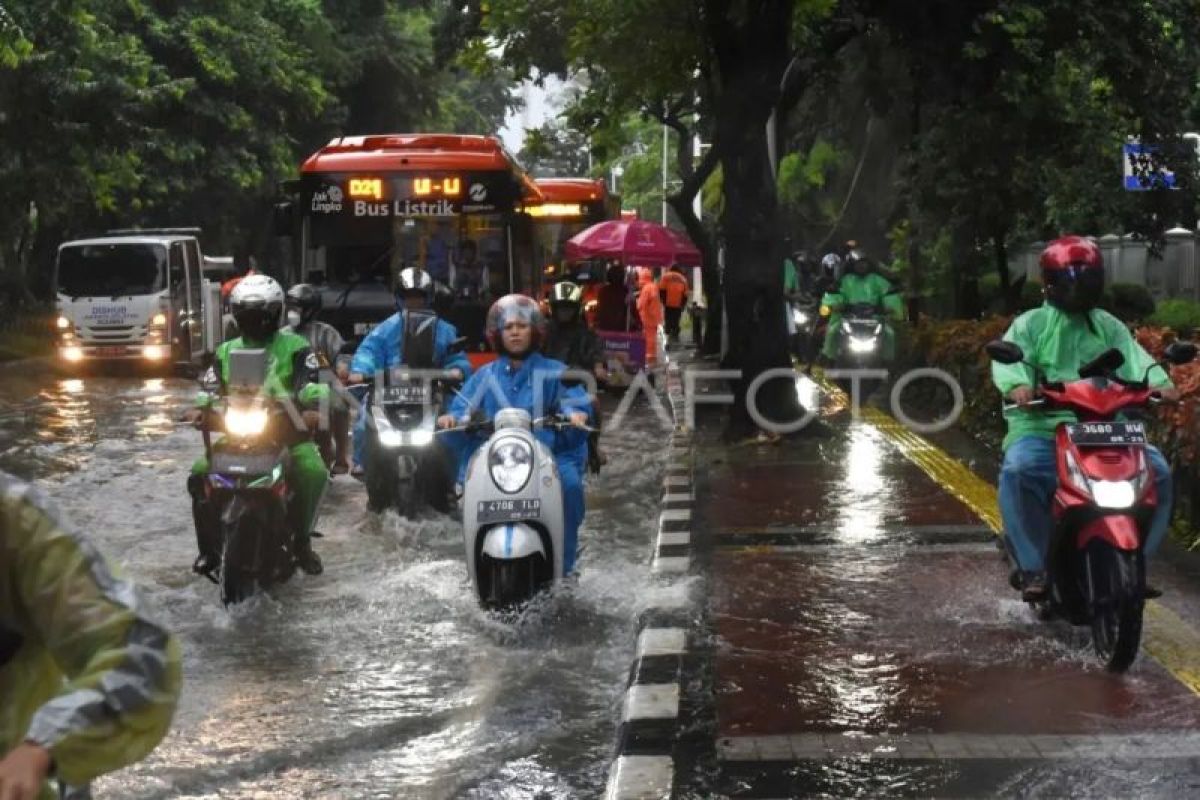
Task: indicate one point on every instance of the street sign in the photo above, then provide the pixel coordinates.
(1141, 171)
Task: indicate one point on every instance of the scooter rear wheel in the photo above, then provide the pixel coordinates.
(1117, 600)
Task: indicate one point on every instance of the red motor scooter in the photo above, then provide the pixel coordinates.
(1105, 501)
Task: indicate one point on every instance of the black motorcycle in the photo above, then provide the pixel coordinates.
(250, 498)
(406, 469)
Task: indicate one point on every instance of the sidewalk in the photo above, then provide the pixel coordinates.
(863, 640)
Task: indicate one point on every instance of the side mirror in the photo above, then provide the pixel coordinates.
(1180, 353)
(1004, 352)
(284, 219)
(1104, 364)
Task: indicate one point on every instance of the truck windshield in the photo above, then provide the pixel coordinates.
(111, 270)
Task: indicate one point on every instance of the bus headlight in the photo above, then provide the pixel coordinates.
(245, 421)
(511, 464)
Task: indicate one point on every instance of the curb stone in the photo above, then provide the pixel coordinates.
(644, 763)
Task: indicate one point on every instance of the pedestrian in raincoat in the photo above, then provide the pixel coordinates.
(88, 683)
(524, 378)
(412, 337)
(860, 285)
(1066, 332)
(673, 287)
(650, 310)
(293, 376)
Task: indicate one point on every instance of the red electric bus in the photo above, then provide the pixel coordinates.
(568, 206)
(366, 207)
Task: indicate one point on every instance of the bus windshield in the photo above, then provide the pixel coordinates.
(466, 252)
(111, 270)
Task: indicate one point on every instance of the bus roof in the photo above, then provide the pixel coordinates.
(405, 152)
(572, 190)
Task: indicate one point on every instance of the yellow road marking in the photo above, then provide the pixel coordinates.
(1166, 637)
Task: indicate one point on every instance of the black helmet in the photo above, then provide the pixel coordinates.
(857, 262)
(566, 293)
(304, 296)
(414, 281)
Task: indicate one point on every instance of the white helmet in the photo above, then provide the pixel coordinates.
(257, 305)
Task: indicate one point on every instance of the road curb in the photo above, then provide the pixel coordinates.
(644, 763)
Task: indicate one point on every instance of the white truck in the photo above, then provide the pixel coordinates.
(136, 296)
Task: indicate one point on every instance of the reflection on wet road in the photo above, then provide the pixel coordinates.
(866, 643)
(381, 678)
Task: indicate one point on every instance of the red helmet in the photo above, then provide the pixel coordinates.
(514, 307)
(1073, 273)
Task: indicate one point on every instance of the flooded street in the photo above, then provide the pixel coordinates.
(380, 678)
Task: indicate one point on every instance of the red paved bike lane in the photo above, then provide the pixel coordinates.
(865, 641)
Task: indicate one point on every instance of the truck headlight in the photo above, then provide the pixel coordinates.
(511, 464)
(159, 320)
(154, 352)
(63, 323)
(72, 353)
(245, 421)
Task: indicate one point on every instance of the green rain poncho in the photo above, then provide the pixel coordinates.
(86, 674)
(1058, 344)
(854, 289)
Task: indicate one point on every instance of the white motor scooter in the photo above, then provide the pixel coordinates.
(513, 511)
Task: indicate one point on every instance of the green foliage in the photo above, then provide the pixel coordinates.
(1129, 302)
(799, 173)
(1181, 316)
(123, 112)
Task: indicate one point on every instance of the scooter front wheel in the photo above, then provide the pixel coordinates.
(1117, 584)
(511, 582)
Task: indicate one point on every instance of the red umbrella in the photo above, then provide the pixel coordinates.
(636, 242)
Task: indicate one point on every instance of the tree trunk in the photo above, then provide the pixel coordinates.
(750, 45)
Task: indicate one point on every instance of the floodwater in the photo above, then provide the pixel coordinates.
(380, 678)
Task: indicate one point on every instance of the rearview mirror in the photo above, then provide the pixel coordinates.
(1004, 352)
(1107, 362)
(1180, 353)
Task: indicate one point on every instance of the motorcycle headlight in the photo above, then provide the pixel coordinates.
(420, 438)
(390, 437)
(245, 421)
(511, 464)
(799, 317)
(847, 328)
(1076, 474)
(1114, 494)
(879, 329)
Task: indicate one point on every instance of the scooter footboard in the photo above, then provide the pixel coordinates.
(511, 541)
(1119, 530)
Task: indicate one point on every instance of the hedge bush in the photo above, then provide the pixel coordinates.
(1129, 302)
(1180, 316)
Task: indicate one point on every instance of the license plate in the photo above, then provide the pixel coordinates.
(508, 510)
(1107, 434)
(110, 351)
(405, 393)
(363, 328)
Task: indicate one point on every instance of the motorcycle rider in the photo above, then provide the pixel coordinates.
(1067, 331)
(860, 285)
(303, 304)
(88, 682)
(257, 303)
(571, 341)
(515, 329)
(413, 336)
